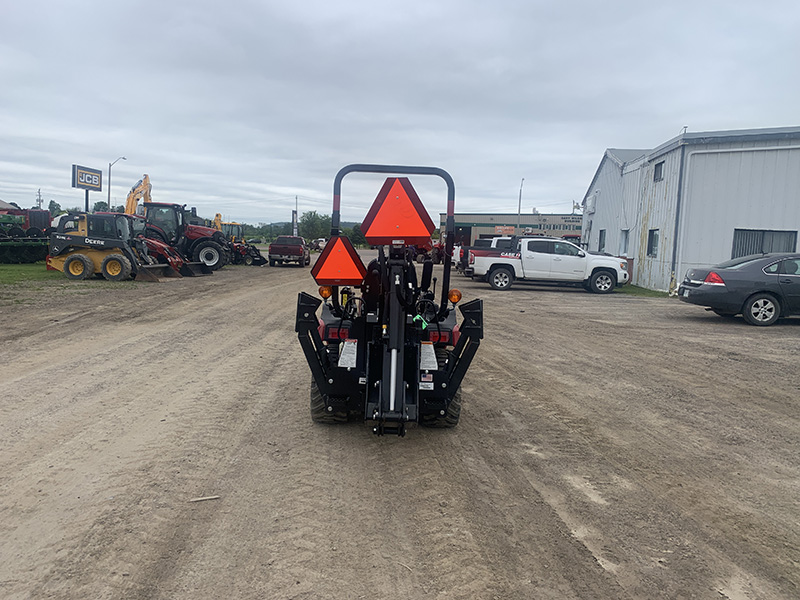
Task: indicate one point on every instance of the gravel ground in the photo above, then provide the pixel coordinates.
(609, 447)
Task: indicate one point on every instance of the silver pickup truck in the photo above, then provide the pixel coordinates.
(547, 260)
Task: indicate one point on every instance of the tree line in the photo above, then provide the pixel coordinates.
(311, 225)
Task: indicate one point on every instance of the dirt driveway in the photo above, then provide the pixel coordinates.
(609, 447)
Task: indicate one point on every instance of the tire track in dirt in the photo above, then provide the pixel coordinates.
(89, 463)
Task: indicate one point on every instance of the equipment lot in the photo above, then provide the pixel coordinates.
(609, 447)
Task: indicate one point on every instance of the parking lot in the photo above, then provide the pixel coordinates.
(609, 447)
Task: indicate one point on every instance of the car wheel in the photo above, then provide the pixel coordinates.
(602, 282)
(501, 278)
(761, 309)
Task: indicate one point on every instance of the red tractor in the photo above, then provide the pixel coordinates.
(169, 223)
(154, 251)
(382, 348)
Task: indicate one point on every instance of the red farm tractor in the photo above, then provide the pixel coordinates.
(169, 223)
(381, 347)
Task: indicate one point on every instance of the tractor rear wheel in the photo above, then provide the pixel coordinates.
(210, 254)
(453, 413)
(116, 267)
(320, 412)
(78, 267)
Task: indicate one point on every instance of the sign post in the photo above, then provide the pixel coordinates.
(87, 179)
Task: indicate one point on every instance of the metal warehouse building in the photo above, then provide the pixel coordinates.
(472, 226)
(696, 200)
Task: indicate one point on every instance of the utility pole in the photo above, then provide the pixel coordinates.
(519, 208)
(296, 218)
(39, 198)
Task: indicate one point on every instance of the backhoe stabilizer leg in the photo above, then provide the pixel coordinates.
(306, 327)
(471, 336)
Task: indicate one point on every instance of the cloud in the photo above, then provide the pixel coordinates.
(241, 109)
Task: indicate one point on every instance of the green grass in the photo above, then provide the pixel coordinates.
(10, 274)
(635, 290)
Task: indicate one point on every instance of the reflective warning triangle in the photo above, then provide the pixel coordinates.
(397, 216)
(339, 264)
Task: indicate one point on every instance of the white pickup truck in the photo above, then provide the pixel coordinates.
(547, 259)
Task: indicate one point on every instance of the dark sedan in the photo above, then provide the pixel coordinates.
(760, 287)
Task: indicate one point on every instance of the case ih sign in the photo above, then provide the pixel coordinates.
(87, 179)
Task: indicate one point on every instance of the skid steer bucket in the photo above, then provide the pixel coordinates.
(155, 273)
(195, 269)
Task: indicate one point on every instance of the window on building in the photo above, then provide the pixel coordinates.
(658, 171)
(652, 243)
(623, 242)
(759, 241)
(601, 241)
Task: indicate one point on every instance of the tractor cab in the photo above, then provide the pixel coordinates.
(164, 221)
(107, 226)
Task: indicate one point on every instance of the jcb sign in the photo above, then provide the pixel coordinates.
(86, 178)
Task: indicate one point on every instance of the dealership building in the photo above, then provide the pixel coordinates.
(473, 226)
(694, 201)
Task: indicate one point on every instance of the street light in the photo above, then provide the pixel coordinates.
(109, 179)
(519, 208)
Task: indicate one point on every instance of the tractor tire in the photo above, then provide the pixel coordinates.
(602, 282)
(78, 267)
(450, 419)
(247, 260)
(156, 235)
(501, 278)
(319, 412)
(209, 253)
(116, 267)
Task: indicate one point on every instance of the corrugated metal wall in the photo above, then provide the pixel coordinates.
(657, 212)
(726, 186)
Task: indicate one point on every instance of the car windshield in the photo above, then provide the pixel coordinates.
(738, 263)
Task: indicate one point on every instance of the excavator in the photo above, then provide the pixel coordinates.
(243, 253)
(140, 191)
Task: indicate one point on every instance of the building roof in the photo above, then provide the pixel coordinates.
(622, 156)
(6, 205)
(730, 136)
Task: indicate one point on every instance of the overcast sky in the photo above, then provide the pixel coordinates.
(242, 107)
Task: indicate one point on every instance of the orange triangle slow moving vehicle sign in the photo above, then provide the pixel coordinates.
(339, 264)
(397, 216)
